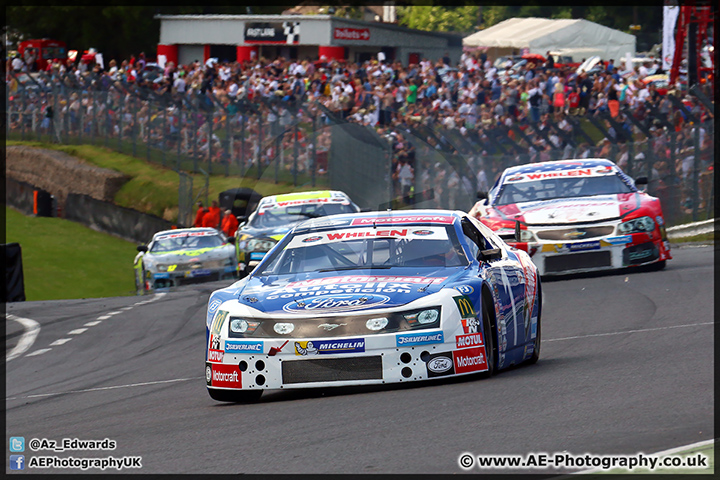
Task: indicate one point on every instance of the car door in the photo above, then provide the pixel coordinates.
(507, 279)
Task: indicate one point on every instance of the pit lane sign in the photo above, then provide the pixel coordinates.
(351, 33)
(281, 33)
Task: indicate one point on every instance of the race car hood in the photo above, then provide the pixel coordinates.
(341, 291)
(570, 210)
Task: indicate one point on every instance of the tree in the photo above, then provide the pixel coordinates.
(439, 19)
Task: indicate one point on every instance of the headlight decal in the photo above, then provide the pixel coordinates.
(637, 225)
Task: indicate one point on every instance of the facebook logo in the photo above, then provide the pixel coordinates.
(17, 444)
(17, 462)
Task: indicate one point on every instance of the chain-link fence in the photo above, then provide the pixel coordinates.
(407, 161)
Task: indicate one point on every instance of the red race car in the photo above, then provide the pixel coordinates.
(576, 216)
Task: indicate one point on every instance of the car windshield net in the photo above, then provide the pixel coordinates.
(278, 216)
(566, 187)
(367, 248)
(169, 243)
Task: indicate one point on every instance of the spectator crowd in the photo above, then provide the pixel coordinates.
(483, 104)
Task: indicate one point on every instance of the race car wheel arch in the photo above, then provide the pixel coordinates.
(536, 350)
(245, 396)
(489, 329)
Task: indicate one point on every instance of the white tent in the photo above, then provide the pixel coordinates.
(539, 35)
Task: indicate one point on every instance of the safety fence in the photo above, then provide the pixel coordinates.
(407, 161)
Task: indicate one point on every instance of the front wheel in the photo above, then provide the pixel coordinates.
(234, 396)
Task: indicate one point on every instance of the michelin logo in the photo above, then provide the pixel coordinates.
(419, 339)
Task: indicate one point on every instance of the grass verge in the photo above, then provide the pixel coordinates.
(154, 189)
(65, 260)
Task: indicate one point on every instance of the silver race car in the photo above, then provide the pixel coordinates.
(184, 256)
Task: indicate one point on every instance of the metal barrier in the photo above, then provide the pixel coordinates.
(408, 161)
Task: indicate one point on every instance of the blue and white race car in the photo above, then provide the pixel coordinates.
(373, 298)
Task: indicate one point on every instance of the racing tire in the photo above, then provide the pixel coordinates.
(536, 351)
(657, 266)
(234, 396)
(489, 338)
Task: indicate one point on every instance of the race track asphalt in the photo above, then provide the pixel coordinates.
(626, 366)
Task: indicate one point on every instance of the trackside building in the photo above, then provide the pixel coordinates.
(187, 38)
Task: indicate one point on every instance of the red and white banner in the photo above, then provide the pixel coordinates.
(351, 33)
(670, 15)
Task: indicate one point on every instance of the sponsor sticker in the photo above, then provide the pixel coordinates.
(350, 234)
(257, 255)
(336, 303)
(470, 325)
(329, 347)
(620, 240)
(465, 306)
(186, 234)
(403, 219)
(218, 322)
(214, 305)
(440, 364)
(215, 342)
(365, 279)
(469, 340)
(215, 355)
(410, 339)
(243, 347)
(470, 360)
(223, 375)
(464, 289)
(578, 247)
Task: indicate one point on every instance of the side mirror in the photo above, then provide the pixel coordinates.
(482, 195)
(142, 248)
(517, 231)
(492, 254)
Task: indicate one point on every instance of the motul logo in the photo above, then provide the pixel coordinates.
(352, 34)
(471, 340)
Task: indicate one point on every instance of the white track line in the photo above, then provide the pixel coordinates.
(93, 323)
(114, 313)
(103, 317)
(77, 331)
(627, 331)
(38, 352)
(60, 341)
(32, 328)
(157, 382)
(664, 453)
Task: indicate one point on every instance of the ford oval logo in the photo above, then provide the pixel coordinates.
(439, 364)
(336, 303)
(422, 232)
(312, 239)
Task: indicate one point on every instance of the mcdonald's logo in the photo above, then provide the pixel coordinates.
(465, 306)
(218, 322)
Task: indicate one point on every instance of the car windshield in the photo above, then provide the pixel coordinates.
(183, 241)
(277, 216)
(521, 190)
(366, 248)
